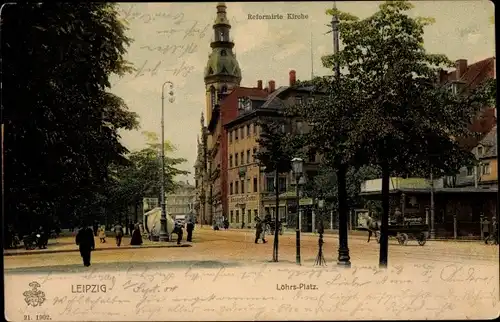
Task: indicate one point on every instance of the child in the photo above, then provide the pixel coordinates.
(102, 234)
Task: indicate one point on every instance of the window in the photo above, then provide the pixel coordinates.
(242, 133)
(231, 188)
(479, 151)
(248, 130)
(298, 100)
(282, 184)
(242, 156)
(236, 134)
(255, 184)
(299, 127)
(311, 155)
(254, 154)
(486, 169)
(255, 213)
(249, 185)
(230, 135)
(236, 187)
(248, 156)
(269, 184)
(470, 171)
(231, 216)
(242, 186)
(237, 216)
(236, 159)
(230, 160)
(249, 216)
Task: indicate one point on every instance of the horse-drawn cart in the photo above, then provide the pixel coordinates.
(408, 231)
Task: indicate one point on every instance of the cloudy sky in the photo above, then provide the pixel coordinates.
(172, 42)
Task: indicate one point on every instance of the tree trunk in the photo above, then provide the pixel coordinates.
(343, 258)
(276, 215)
(384, 238)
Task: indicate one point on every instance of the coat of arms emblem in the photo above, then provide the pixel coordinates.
(34, 297)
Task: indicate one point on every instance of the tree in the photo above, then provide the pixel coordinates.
(406, 122)
(140, 177)
(278, 146)
(61, 124)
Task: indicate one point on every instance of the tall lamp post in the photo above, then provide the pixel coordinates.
(320, 259)
(164, 235)
(297, 168)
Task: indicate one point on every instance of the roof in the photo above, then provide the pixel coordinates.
(475, 74)
(490, 143)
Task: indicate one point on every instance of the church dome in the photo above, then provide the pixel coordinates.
(222, 62)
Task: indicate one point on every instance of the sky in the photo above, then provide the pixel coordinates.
(172, 43)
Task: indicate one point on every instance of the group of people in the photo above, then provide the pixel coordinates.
(86, 243)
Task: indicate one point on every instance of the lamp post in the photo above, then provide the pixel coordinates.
(164, 235)
(297, 168)
(320, 259)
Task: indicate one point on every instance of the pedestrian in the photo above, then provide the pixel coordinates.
(178, 230)
(86, 243)
(136, 239)
(242, 224)
(259, 230)
(190, 228)
(102, 234)
(486, 229)
(118, 234)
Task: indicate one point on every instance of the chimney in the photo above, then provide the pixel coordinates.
(443, 76)
(292, 77)
(461, 66)
(272, 86)
(259, 84)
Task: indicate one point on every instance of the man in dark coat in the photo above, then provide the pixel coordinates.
(179, 231)
(259, 230)
(118, 234)
(190, 228)
(86, 243)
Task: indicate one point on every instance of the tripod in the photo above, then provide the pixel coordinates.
(320, 259)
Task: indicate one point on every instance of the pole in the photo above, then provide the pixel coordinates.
(331, 219)
(164, 235)
(276, 216)
(297, 224)
(432, 232)
(343, 250)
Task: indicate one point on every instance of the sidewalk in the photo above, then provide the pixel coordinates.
(351, 233)
(67, 244)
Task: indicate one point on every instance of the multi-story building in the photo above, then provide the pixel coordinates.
(251, 190)
(182, 200)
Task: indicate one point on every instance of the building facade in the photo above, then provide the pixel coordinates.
(251, 190)
(182, 200)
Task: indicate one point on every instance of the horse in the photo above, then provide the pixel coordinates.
(371, 225)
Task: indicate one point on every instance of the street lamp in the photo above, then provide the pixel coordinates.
(164, 235)
(320, 259)
(297, 168)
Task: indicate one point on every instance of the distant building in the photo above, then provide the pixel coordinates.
(182, 200)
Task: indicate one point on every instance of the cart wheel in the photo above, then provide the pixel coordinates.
(403, 239)
(422, 239)
(377, 237)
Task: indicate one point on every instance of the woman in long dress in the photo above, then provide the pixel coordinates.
(136, 236)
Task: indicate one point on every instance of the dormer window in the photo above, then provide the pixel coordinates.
(480, 151)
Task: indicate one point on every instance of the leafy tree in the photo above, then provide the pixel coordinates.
(61, 124)
(277, 147)
(406, 122)
(140, 177)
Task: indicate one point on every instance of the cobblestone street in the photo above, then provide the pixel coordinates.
(239, 246)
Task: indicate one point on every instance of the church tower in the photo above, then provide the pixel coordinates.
(222, 72)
